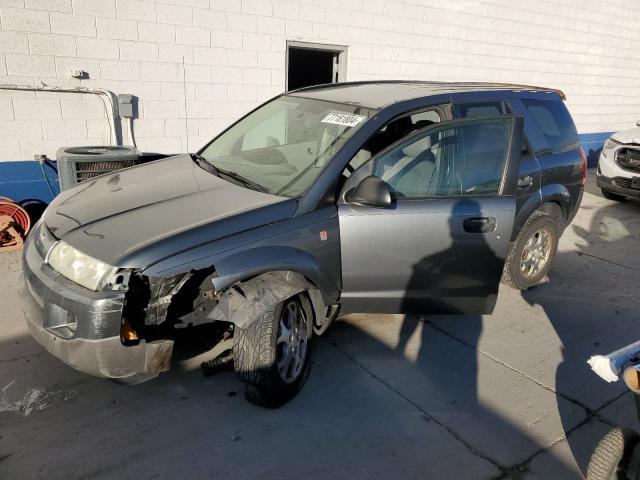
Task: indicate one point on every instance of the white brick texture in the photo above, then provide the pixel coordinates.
(234, 54)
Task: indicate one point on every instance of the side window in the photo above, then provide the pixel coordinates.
(488, 109)
(391, 133)
(448, 161)
(555, 122)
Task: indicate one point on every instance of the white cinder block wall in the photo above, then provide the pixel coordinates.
(234, 57)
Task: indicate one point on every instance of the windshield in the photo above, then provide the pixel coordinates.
(284, 145)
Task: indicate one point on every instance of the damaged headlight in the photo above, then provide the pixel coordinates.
(79, 267)
(609, 146)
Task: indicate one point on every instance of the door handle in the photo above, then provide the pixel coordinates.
(479, 224)
(526, 181)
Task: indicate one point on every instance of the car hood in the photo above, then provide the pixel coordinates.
(627, 136)
(140, 215)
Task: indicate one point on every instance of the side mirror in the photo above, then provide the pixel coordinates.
(638, 123)
(372, 191)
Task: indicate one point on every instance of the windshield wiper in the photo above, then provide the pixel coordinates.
(244, 181)
(209, 167)
(202, 163)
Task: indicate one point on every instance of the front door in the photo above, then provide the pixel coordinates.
(441, 246)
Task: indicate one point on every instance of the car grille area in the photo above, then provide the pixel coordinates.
(622, 182)
(628, 159)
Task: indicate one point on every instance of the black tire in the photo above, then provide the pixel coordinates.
(609, 195)
(512, 274)
(254, 353)
(611, 457)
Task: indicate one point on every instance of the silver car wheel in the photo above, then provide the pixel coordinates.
(292, 340)
(536, 252)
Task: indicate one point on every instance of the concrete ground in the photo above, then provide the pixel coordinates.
(501, 396)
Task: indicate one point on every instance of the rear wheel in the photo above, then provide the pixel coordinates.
(531, 255)
(609, 195)
(615, 457)
(272, 355)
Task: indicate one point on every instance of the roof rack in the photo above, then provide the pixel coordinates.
(515, 86)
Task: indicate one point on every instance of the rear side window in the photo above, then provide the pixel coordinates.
(554, 121)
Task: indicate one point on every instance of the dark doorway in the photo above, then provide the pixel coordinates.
(312, 65)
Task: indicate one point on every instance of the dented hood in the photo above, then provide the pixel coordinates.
(137, 216)
(627, 136)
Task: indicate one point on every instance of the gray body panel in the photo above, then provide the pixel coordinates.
(420, 256)
(417, 258)
(137, 216)
(294, 244)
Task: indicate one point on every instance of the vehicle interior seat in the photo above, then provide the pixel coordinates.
(413, 174)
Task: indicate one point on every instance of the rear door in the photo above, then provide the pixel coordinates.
(441, 246)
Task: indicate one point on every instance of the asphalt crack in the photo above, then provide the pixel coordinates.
(516, 471)
(514, 369)
(593, 415)
(607, 261)
(471, 448)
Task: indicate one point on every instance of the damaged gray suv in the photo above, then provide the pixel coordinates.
(379, 197)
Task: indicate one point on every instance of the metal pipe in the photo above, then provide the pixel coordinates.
(132, 139)
(608, 367)
(108, 94)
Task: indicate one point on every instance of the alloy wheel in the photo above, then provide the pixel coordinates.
(536, 252)
(292, 341)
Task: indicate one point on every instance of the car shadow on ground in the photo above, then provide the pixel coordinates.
(591, 301)
(445, 364)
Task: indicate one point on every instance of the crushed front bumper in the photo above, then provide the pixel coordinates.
(49, 301)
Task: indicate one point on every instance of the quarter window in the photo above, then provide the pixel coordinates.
(555, 122)
(448, 161)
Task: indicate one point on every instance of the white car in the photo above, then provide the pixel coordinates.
(618, 174)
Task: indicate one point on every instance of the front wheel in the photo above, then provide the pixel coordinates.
(614, 457)
(531, 255)
(272, 355)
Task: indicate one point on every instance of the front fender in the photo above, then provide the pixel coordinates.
(258, 260)
(245, 303)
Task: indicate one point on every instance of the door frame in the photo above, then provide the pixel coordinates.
(509, 174)
(505, 193)
(340, 58)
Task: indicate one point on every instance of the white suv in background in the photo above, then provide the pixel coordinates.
(618, 174)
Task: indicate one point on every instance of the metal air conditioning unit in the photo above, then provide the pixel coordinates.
(77, 164)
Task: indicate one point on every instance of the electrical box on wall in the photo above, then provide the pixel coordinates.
(125, 105)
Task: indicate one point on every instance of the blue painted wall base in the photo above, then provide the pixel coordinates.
(25, 180)
(592, 144)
